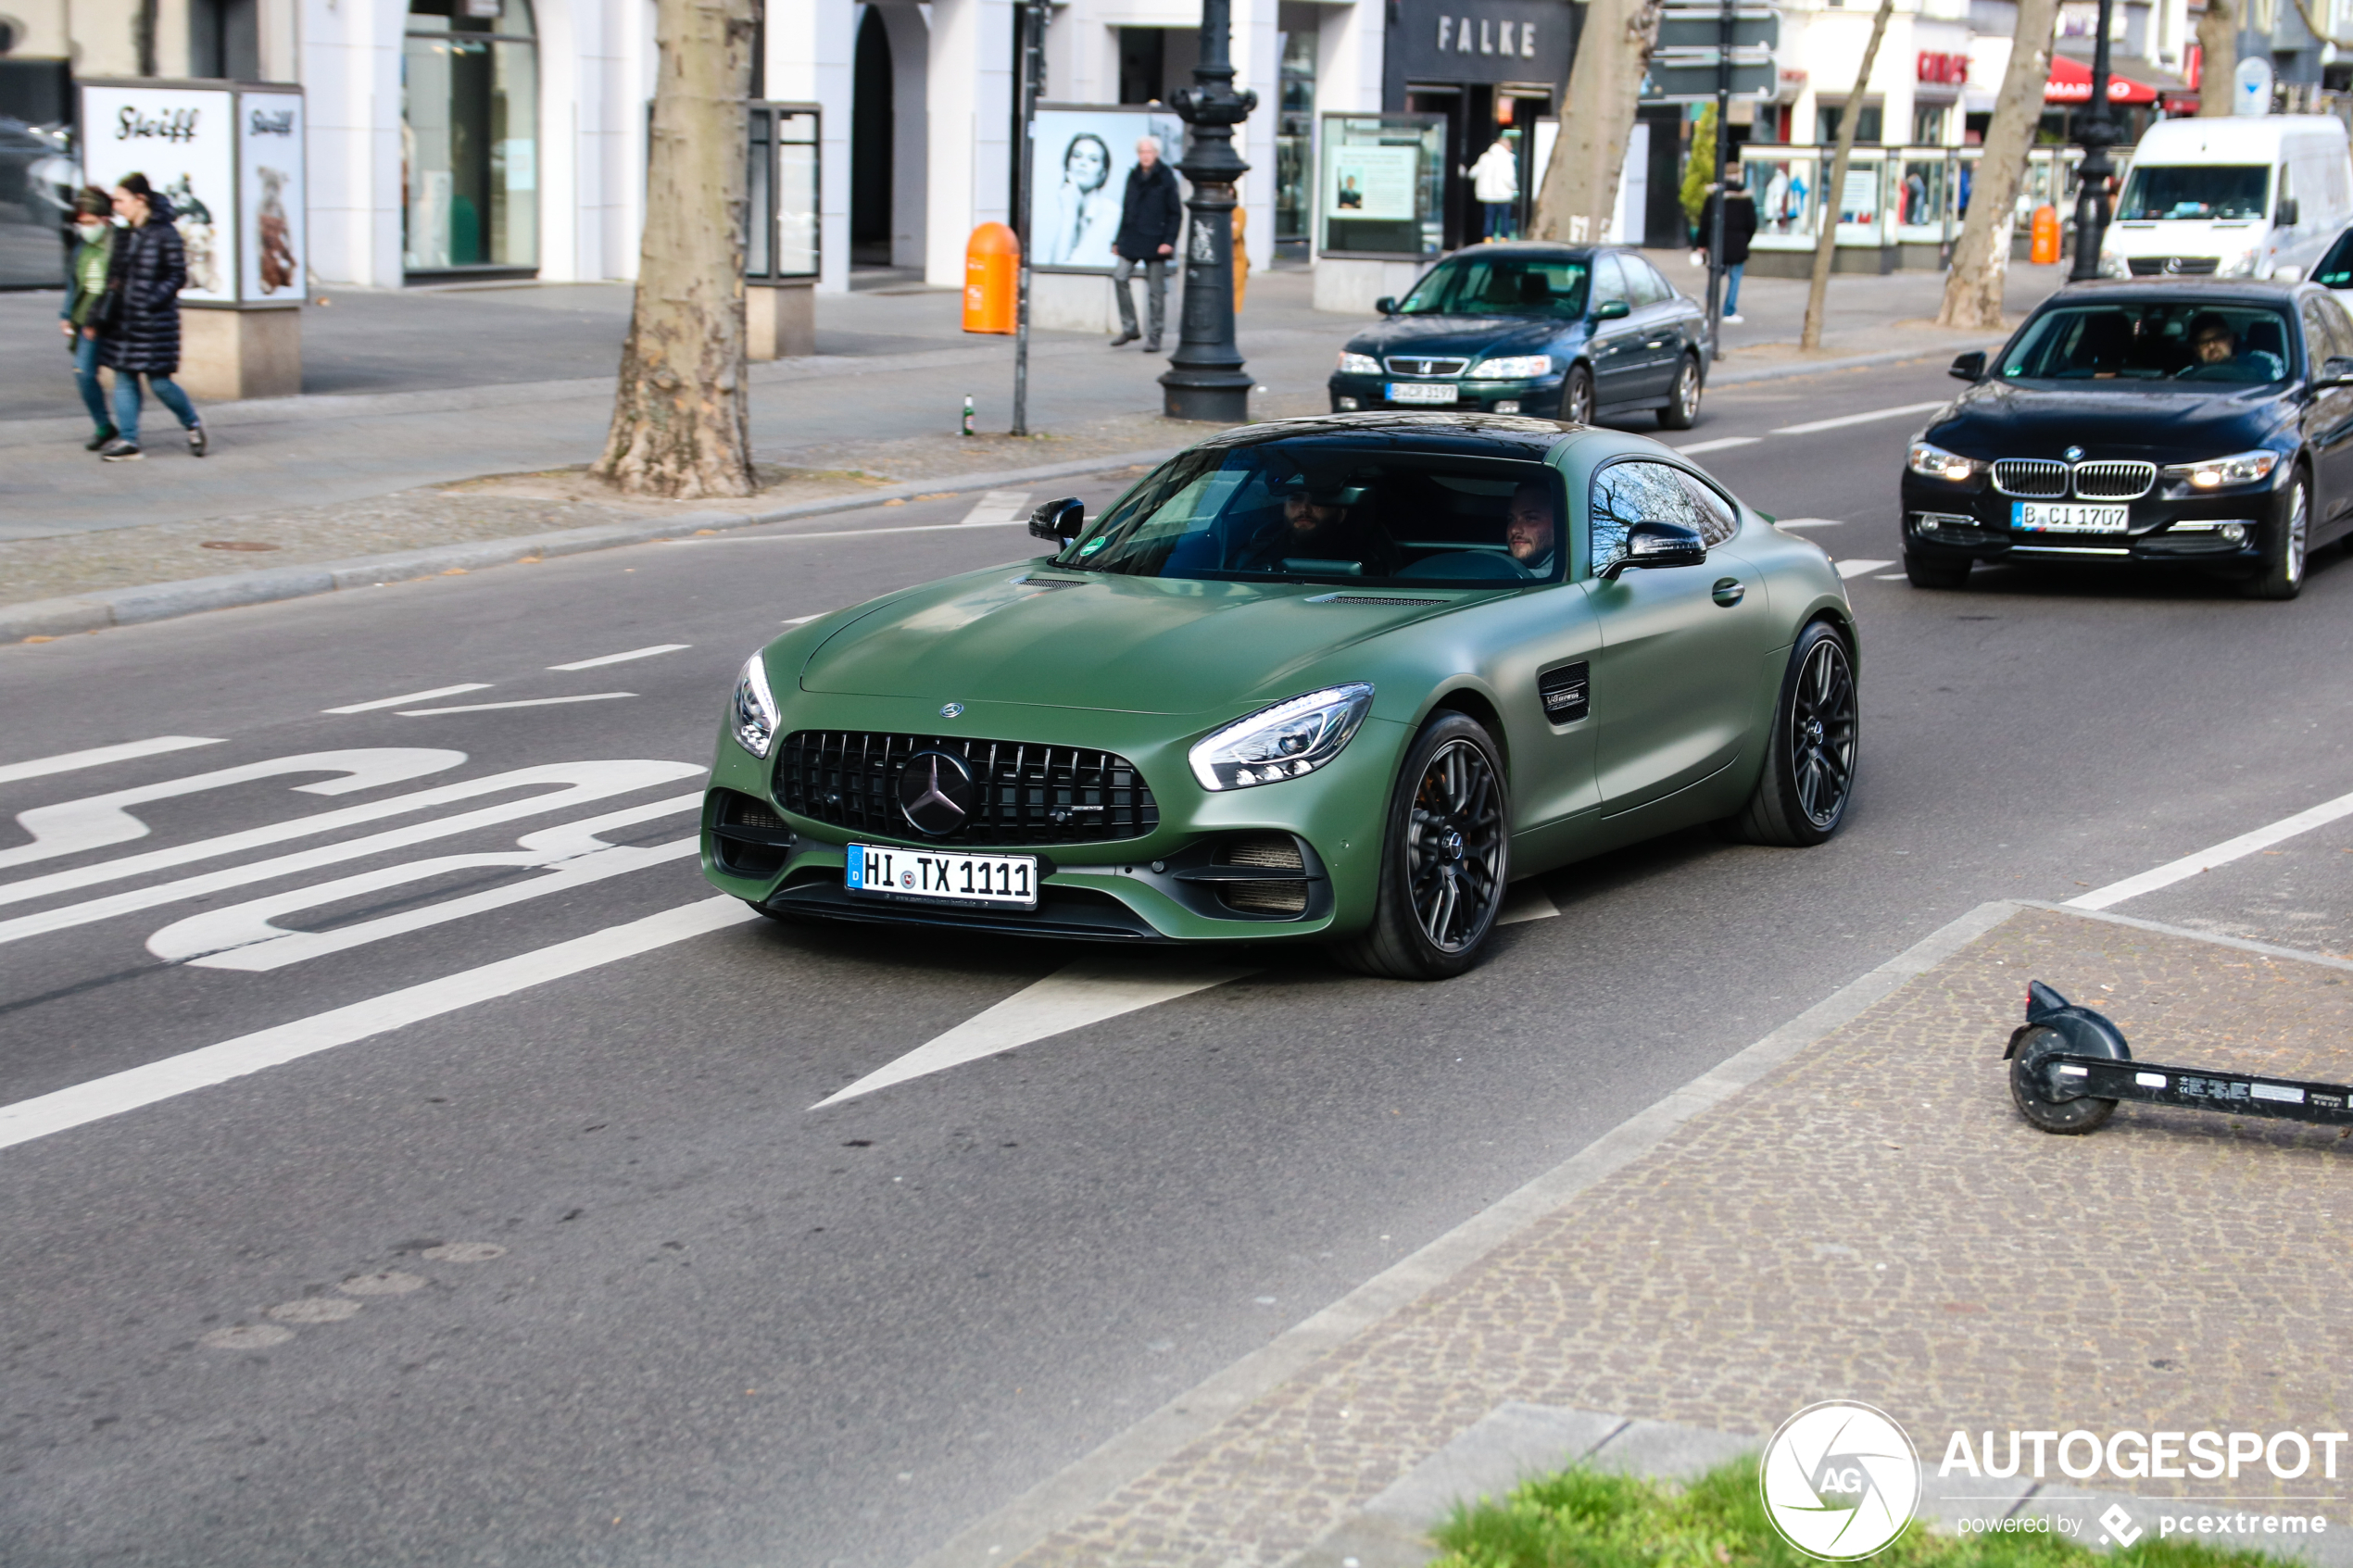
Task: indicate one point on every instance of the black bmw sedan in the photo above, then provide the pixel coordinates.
(2204, 424)
(1568, 332)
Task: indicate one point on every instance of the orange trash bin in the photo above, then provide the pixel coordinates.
(992, 267)
(2044, 251)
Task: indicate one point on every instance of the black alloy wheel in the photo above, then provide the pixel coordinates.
(2287, 546)
(1683, 412)
(1445, 857)
(1809, 763)
(1577, 397)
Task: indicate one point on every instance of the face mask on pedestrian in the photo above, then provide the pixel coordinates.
(89, 229)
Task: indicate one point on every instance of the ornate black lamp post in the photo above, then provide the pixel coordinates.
(2095, 132)
(1206, 379)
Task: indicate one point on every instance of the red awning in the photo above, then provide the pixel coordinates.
(2070, 82)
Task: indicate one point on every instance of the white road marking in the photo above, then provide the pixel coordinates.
(97, 756)
(157, 1081)
(583, 781)
(2221, 854)
(1846, 419)
(1810, 523)
(1892, 577)
(1861, 568)
(1722, 444)
(622, 657)
(241, 936)
(411, 696)
(1526, 901)
(96, 820)
(998, 506)
(1086, 992)
(526, 702)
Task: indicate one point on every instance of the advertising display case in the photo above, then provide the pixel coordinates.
(1381, 187)
(784, 239)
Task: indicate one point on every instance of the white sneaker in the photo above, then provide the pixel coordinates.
(1729, 320)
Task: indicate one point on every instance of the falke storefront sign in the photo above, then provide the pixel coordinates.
(1481, 40)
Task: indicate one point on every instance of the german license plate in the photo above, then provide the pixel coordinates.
(1421, 391)
(922, 876)
(2066, 517)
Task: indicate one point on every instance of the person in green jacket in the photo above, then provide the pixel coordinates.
(85, 289)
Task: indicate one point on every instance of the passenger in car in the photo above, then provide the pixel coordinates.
(1528, 527)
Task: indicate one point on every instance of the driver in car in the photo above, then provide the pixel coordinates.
(2217, 357)
(1314, 524)
(1529, 528)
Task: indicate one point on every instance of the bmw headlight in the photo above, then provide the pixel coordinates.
(1281, 741)
(752, 720)
(1934, 462)
(1515, 367)
(2246, 468)
(1358, 364)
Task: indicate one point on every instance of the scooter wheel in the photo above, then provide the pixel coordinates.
(2030, 1084)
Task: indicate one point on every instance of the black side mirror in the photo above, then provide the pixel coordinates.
(2335, 370)
(1386, 304)
(1970, 366)
(1658, 544)
(1612, 311)
(1059, 521)
(2287, 212)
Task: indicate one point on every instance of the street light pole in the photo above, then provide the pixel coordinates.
(2095, 133)
(1206, 379)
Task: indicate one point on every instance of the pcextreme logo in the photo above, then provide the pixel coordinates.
(1839, 1480)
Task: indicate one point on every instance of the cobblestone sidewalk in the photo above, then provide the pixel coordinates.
(1871, 1221)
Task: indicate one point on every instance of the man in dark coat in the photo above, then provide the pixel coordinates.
(1151, 215)
(148, 269)
(1740, 226)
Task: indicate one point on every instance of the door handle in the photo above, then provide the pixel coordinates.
(1655, 343)
(1728, 592)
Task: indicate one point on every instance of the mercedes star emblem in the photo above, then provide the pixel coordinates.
(936, 793)
(950, 710)
(2073, 454)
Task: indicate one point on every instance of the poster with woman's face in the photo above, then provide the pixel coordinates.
(184, 140)
(1081, 162)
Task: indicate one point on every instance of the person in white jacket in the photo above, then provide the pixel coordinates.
(1495, 182)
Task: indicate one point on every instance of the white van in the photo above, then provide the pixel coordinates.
(2254, 196)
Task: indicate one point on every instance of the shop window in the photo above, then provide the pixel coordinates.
(1928, 127)
(469, 137)
(224, 38)
(1829, 116)
(1294, 143)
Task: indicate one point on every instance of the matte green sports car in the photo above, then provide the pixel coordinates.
(1333, 680)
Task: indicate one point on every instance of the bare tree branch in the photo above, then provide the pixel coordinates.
(1832, 197)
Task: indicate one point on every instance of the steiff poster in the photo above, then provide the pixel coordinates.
(270, 218)
(184, 140)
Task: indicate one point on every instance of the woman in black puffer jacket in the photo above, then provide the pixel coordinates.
(148, 271)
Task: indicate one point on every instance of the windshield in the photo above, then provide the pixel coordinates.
(1550, 287)
(2335, 268)
(2195, 190)
(1323, 511)
(2117, 345)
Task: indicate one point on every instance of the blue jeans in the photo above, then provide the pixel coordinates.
(1499, 219)
(126, 402)
(85, 378)
(1732, 288)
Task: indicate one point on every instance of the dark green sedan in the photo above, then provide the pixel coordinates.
(1336, 679)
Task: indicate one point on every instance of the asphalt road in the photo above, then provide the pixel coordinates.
(726, 1328)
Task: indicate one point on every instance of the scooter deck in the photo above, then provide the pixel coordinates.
(2203, 1088)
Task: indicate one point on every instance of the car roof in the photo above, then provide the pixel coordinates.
(2213, 291)
(1500, 435)
(2233, 138)
(1531, 247)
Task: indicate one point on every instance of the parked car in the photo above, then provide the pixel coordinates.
(2194, 423)
(2229, 197)
(1336, 679)
(1563, 332)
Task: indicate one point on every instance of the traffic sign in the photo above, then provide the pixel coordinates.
(1701, 27)
(1685, 65)
(1683, 84)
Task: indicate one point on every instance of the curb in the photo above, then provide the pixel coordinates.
(164, 601)
(1004, 1536)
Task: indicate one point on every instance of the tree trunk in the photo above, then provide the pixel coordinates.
(2218, 45)
(680, 423)
(1579, 189)
(1982, 256)
(1833, 196)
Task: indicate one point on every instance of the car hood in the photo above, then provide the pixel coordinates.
(2003, 420)
(1134, 645)
(1471, 336)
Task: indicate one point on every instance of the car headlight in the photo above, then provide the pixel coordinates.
(1358, 364)
(1281, 741)
(2240, 266)
(2115, 266)
(2246, 468)
(1934, 462)
(1515, 367)
(753, 718)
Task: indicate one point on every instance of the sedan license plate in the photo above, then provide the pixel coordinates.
(2066, 517)
(1421, 391)
(995, 882)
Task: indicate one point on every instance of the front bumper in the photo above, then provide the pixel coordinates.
(1169, 884)
(1540, 396)
(1947, 521)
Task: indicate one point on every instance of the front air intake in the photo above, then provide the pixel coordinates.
(1275, 852)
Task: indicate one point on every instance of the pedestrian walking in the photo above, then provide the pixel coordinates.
(85, 292)
(1740, 226)
(147, 272)
(1495, 182)
(1151, 215)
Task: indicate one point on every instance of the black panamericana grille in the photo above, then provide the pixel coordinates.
(1029, 794)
